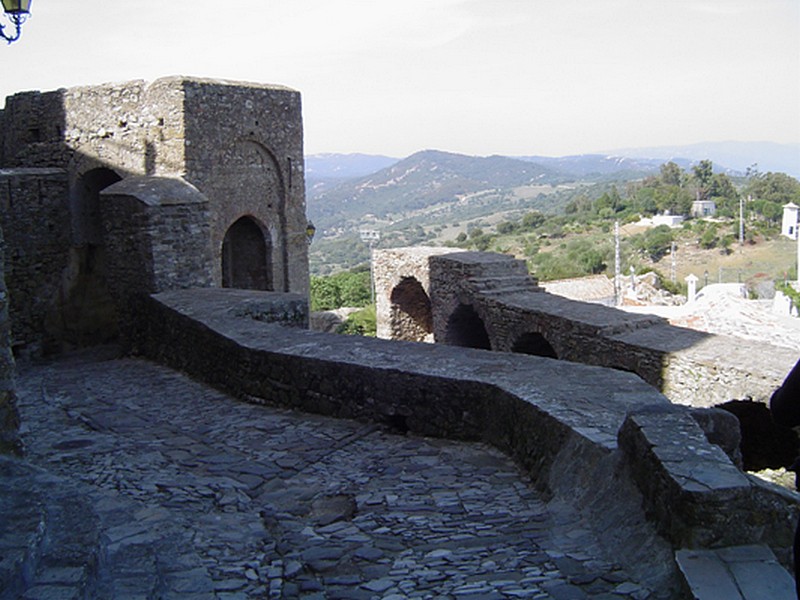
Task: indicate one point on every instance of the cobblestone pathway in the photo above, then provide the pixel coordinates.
(197, 495)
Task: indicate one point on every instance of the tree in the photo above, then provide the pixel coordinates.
(654, 243)
(533, 219)
(348, 288)
(703, 172)
(505, 227)
(671, 174)
(709, 238)
(774, 187)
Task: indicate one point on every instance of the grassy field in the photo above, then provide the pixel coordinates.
(772, 259)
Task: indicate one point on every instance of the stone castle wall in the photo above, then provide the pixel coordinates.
(157, 236)
(251, 163)
(239, 146)
(9, 418)
(34, 214)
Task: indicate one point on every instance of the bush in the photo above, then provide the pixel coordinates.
(363, 322)
(654, 243)
(348, 288)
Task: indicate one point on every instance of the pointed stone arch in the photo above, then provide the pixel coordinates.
(248, 180)
(466, 328)
(247, 256)
(410, 311)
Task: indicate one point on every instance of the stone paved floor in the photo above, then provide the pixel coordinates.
(197, 495)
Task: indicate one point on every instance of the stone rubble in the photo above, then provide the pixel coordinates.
(188, 493)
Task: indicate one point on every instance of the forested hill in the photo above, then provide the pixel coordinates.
(422, 180)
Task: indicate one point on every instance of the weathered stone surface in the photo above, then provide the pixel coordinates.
(471, 291)
(156, 496)
(559, 420)
(734, 574)
(237, 147)
(697, 496)
(721, 428)
(9, 418)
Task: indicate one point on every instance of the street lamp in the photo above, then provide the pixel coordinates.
(310, 231)
(370, 237)
(17, 11)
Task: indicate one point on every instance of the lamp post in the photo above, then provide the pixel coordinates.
(17, 11)
(310, 231)
(370, 237)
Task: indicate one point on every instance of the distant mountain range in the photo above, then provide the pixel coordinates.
(345, 166)
(727, 156)
(345, 189)
(738, 156)
(421, 182)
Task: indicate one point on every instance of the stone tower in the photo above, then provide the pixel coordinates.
(139, 187)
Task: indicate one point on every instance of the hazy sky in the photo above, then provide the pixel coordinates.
(481, 77)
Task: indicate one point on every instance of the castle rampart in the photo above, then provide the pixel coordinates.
(583, 433)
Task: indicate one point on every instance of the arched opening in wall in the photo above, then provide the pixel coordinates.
(465, 328)
(246, 256)
(82, 312)
(411, 315)
(765, 445)
(534, 343)
(87, 218)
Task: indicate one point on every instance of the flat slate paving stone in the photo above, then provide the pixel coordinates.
(339, 508)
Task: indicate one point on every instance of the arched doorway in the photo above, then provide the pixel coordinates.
(246, 256)
(465, 328)
(411, 315)
(86, 216)
(82, 312)
(534, 343)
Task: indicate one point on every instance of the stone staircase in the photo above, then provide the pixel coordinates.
(501, 275)
(504, 285)
(58, 540)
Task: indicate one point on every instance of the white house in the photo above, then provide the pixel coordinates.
(703, 208)
(667, 219)
(789, 225)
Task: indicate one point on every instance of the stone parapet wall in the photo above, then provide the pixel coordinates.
(134, 127)
(156, 233)
(559, 420)
(32, 132)
(690, 367)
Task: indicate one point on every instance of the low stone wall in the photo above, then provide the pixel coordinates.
(690, 367)
(562, 422)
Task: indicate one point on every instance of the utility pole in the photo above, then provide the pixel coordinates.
(673, 272)
(741, 220)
